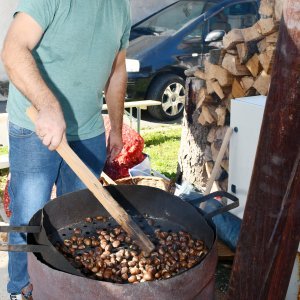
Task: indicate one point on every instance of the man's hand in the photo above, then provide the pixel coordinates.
(114, 146)
(50, 126)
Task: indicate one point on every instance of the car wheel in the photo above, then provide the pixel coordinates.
(170, 90)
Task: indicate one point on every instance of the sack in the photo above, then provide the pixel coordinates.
(130, 156)
(6, 200)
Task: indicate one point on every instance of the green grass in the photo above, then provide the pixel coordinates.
(3, 150)
(162, 145)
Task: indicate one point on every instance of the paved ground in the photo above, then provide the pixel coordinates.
(3, 271)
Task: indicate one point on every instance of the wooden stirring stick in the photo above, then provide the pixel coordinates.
(103, 196)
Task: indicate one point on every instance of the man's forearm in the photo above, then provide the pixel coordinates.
(114, 96)
(24, 74)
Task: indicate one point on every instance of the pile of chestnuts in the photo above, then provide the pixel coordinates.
(110, 255)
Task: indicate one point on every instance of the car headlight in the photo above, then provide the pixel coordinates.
(132, 65)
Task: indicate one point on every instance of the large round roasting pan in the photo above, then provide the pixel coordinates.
(52, 223)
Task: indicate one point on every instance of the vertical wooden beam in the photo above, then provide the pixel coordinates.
(270, 231)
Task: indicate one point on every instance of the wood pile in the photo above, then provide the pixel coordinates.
(243, 67)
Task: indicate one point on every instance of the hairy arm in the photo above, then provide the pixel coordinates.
(23, 35)
(114, 95)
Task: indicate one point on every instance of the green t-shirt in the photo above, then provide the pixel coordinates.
(75, 56)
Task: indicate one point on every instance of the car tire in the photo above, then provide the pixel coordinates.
(170, 90)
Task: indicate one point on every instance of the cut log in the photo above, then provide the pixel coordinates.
(266, 59)
(242, 52)
(206, 111)
(221, 113)
(252, 33)
(262, 83)
(246, 82)
(272, 38)
(209, 86)
(203, 96)
(227, 102)
(253, 65)
(266, 9)
(268, 41)
(268, 26)
(245, 51)
(201, 119)
(199, 74)
(278, 9)
(211, 135)
(217, 88)
(217, 72)
(262, 45)
(251, 92)
(233, 65)
(232, 51)
(237, 90)
(232, 38)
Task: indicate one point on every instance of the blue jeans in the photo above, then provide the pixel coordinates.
(34, 170)
(228, 225)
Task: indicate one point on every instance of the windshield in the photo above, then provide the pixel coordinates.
(171, 19)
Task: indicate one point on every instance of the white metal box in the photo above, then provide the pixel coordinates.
(246, 118)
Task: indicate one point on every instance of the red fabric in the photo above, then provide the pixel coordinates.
(131, 155)
(6, 200)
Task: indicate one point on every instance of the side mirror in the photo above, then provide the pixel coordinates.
(215, 35)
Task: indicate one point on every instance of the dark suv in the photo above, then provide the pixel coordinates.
(170, 41)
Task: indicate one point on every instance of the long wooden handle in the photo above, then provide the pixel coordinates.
(103, 196)
(219, 159)
(108, 179)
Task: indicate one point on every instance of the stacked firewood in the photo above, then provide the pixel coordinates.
(243, 67)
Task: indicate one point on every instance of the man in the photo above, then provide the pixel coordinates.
(60, 55)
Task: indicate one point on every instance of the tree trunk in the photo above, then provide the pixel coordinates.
(191, 163)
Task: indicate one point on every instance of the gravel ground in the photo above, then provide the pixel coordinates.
(3, 271)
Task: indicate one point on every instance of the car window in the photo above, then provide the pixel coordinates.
(196, 34)
(219, 22)
(173, 18)
(241, 15)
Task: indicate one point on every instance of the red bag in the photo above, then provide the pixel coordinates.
(130, 156)
(6, 200)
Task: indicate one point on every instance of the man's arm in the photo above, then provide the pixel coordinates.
(114, 95)
(23, 35)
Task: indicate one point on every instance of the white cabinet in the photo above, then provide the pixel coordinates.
(246, 118)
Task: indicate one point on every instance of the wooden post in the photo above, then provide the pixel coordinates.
(270, 231)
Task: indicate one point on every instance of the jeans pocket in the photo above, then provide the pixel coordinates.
(19, 132)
